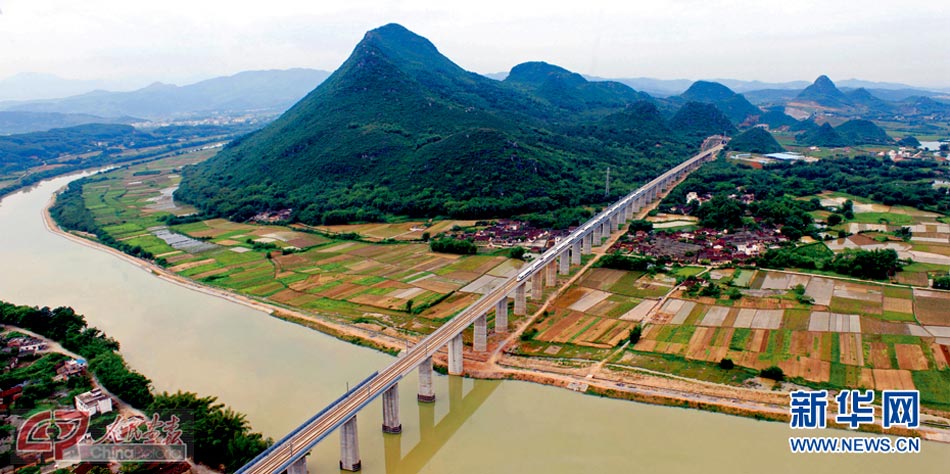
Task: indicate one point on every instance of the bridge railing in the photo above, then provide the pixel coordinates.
(277, 445)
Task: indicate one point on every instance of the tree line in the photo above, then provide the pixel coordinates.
(222, 437)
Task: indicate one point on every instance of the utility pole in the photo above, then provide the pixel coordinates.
(607, 187)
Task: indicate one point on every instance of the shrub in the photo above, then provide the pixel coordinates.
(773, 373)
(726, 364)
(635, 334)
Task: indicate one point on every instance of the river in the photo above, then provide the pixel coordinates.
(279, 374)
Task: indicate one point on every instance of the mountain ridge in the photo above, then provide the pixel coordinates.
(399, 129)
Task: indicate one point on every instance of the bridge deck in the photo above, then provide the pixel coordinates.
(296, 444)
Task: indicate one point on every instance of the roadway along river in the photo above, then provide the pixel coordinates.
(280, 374)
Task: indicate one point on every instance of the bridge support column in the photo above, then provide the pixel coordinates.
(455, 355)
(550, 275)
(501, 316)
(587, 244)
(298, 467)
(537, 282)
(563, 263)
(350, 447)
(480, 339)
(426, 392)
(576, 253)
(521, 304)
(391, 422)
(604, 231)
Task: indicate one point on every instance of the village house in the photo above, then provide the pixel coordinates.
(93, 402)
(69, 368)
(26, 345)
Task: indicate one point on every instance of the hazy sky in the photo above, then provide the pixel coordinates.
(182, 41)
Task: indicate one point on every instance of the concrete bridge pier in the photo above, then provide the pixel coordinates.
(480, 339)
(350, 447)
(576, 253)
(588, 243)
(501, 316)
(563, 263)
(550, 275)
(455, 355)
(391, 422)
(521, 303)
(537, 286)
(426, 392)
(595, 235)
(604, 232)
(628, 212)
(298, 467)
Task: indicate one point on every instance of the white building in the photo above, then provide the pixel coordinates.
(94, 402)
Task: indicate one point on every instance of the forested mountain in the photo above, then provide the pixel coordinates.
(824, 93)
(399, 129)
(851, 133)
(569, 90)
(732, 105)
(824, 136)
(245, 91)
(755, 140)
(863, 132)
(775, 118)
(698, 120)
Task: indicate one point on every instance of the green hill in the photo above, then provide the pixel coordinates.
(863, 132)
(755, 140)
(776, 117)
(700, 120)
(824, 136)
(735, 106)
(568, 90)
(399, 129)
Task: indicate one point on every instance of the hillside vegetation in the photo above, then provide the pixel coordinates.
(755, 140)
(400, 130)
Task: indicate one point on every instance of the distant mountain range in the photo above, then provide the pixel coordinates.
(251, 91)
(40, 86)
(824, 97)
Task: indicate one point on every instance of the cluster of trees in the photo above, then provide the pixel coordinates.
(907, 182)
(451, 245)
(723, 212)
(874, 264)
(222, 438)
(63, 325)
(618, 261)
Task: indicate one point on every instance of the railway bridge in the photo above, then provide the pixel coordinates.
(289, 453)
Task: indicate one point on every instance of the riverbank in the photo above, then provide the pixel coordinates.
(656, 389)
